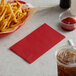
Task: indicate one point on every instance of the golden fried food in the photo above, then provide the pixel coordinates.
(11, 15)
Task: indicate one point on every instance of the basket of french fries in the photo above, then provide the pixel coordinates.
(13, 14)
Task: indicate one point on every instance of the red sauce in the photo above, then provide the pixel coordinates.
(69, 23)
(69, 20)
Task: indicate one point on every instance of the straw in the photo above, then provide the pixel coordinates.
(70, 41)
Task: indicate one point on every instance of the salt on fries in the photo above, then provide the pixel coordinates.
(11, 15)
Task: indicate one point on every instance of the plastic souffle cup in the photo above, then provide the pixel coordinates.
(67, 27)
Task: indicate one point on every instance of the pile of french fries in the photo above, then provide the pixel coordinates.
(11, 15)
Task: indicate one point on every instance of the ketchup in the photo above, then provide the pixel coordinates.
(69, 20)
(68, 23)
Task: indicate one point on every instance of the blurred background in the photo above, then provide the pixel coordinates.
(43, 2)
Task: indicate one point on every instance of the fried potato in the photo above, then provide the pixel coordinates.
(3, 15)
(11, 15)
(2, 2)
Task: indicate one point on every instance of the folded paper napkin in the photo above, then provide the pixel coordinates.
(37, 43)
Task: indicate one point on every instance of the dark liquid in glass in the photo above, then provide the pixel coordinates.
(65, 58)
(66, 71)
(65, 4)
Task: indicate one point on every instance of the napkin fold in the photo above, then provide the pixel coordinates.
(37, 43)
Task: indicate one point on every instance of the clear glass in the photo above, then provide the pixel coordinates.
(65, 66)
(65, 26)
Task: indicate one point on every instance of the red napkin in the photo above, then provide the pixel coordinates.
(37, 43)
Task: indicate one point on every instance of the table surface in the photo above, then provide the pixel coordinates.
(13, 65)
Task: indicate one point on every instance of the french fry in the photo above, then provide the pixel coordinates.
(22, 16)
(14, 8)
(3, 15)
(12, 26)
(3, 25)
(2, 9)
(10, 8)
(14, 4)
(8, 19)
(11, 15)
(19, 8)
(5, 22)
(3, 2)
